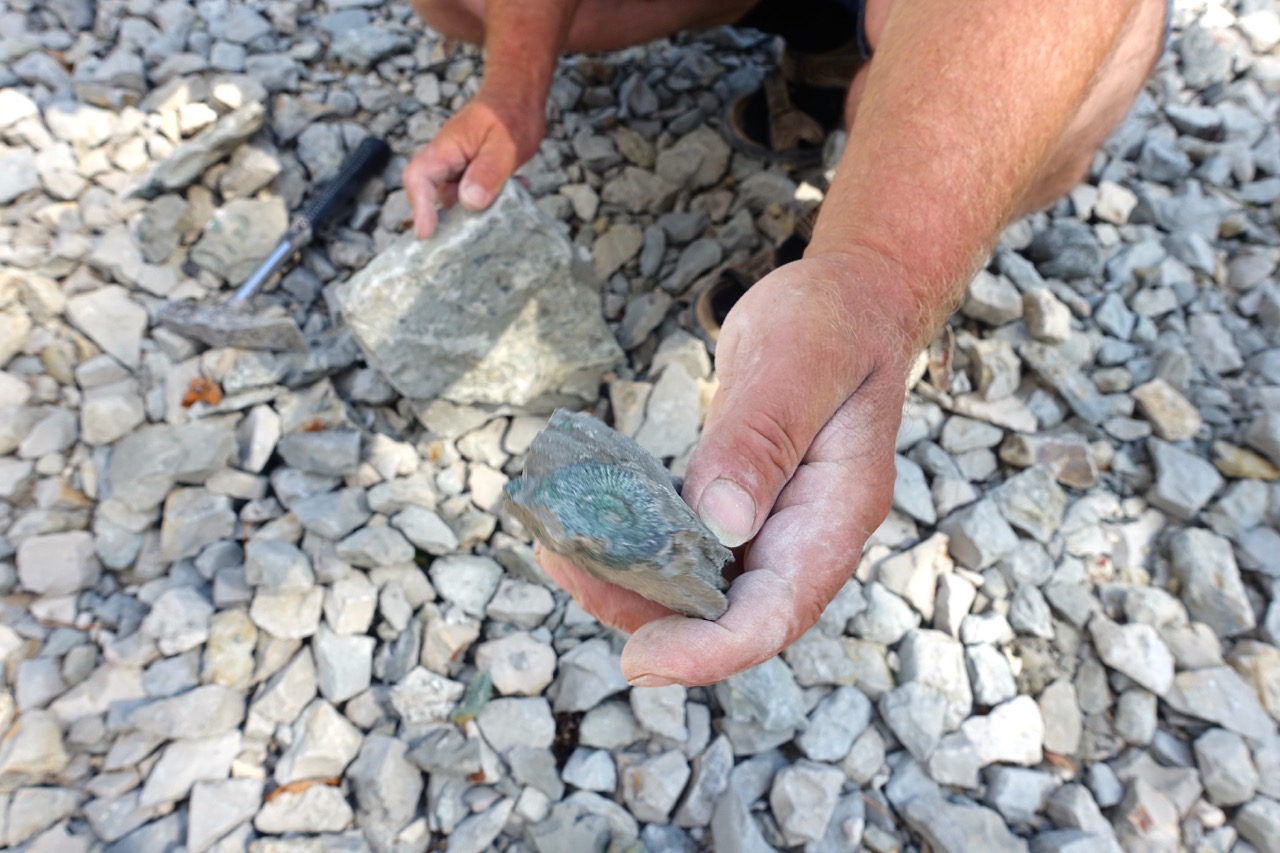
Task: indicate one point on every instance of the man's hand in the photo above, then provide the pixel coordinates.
(471, 157)
(796, 464)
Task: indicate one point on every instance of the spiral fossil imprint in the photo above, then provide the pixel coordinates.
(596, 497)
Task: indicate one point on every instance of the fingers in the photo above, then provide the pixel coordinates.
(431, 170)
(611, 605)
(804, 553)
(493, 164)
(782, 377)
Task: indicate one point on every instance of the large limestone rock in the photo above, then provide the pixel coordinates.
(495, 309)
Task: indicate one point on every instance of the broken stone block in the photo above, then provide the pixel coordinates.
(596, 497)
(495, 309)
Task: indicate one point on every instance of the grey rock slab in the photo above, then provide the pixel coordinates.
(957, 828)
(1205, 567)
(1226, 768)
(915, 712)
(979, 534)
(58, 563)
(511, 723)
(651, 787)
(523, 328)
(206, 711)
(324, 744)
(466, 581)
(1219, 695)
(1135, 650)
(216, 808)
(589, 673)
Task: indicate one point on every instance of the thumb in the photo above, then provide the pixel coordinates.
(782, 378)
(488, 171)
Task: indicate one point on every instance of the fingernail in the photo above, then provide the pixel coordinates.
(650, 681)
(473, 196)
(728, 511)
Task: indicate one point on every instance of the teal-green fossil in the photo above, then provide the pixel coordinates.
(596, 497)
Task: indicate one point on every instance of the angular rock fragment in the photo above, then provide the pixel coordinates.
(494, 309)
(594, 496)
(189, 161)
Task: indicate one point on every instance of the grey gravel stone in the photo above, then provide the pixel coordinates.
(1205, 567)
(915, 712)
(1226, 768)
(1135, 650)
(802, 798)
(979, 534)
(1184, 483)
(651, 787)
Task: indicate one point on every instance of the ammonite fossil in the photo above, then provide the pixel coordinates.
(596, 497)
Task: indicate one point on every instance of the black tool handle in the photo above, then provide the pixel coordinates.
(369, 158)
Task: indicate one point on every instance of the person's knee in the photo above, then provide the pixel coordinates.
(462, 20)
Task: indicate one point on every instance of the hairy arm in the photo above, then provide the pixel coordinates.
(480, 147)
(964, 107)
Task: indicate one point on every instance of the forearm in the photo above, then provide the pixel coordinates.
(963, 106)
(523, 41)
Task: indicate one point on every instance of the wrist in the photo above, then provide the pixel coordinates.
(888, 299)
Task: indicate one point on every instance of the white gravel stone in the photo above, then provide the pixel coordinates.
(1013, 733)
(1134, 650)
(511, 723)
(324, 744)
(468, 582)
(518, 664)
(58, 563)
(651, 787)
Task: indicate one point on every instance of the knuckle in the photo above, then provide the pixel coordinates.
(771, 448)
